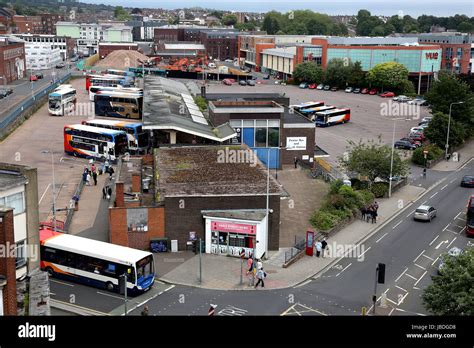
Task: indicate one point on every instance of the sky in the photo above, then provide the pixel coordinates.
(332, 7)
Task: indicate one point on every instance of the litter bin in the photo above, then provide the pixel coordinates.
(159, 245)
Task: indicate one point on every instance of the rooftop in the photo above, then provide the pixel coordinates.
(211, 171)
(287, 52)
(249, 107)
(11, 179)
(295, 118)
(184, 46)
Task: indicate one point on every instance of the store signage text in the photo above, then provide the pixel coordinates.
(432, 55)
(296, 143)
(223, 226)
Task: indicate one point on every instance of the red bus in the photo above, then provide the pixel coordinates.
(470, 217)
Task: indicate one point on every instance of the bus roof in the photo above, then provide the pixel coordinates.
(95, 129)
(91, 247)
(306, 104)
(118, 88)
(319, 108)
(61, 91)
(63, 86)
(328, 112)
(114, 123)
(119, 93)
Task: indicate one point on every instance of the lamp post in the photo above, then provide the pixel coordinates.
(53, 189)
(449, 125)
(391, 157)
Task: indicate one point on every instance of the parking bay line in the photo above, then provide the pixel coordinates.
(452, 231)
(406, 269)
(410, 276)
(457, 215)
(419, 256)
(435, 261)
(423, 268)
(416, 283)
(433, 240)
(451, 242)
(428, 257)
(399, 287)
(378, 240)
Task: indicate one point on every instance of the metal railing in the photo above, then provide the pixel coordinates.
(295, 250)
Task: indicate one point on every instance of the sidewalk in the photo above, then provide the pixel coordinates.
(464, 154)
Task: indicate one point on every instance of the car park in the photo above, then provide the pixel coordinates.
(373, 91)
(387, 95)
(250, 83)
(243, 83)
(452, 253)
(425, 213)
(467, 181)
(327, 87)
(303, 85)
(320, 86)
(334, 89)
(356, 90)
(364, 91)
(312, 86)
(412, 141)
(349, 90)
(404, 144)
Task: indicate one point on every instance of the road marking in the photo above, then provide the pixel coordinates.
(464, 165)
(423, 268)
(347, 266)
(457, 215)
(400, 288)
(416, 288)
(442, 188)
(397, 225)
(402, 299)
(432, 264)
(42, 196)
(434, 240)
(419, 256)
(452, 181)
(364, 252)
(434, 195)
(428, 257)
(391, 311)
(442, 242)
(462, 219)
(58, 282)
(416, 283)
(451, 242)
(391, 301)
(102, 293)
(378, 240)
(396, 280)
(444, 229)
(452, 231)
(410, 276)
(386, 290)
(462, 230)
(303, 284)
(459, 226)
(410, 214)
(423, 203)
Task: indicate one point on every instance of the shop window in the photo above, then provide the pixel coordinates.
(273, 136)
(261, 137)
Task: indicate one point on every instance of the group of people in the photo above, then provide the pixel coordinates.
(370, 213)
(320, 247)
(106, 192)
(260, 274)
(90, 174)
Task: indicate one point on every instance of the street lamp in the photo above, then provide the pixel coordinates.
(391, 159)
(53, 189)
(449, 124)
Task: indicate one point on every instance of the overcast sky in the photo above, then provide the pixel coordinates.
(382, 7)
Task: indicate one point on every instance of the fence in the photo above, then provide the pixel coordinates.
(298, 249)
(14, 114)
(72, 205)
(326, 171)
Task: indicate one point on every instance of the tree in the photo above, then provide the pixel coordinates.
(315, 27)
(437, 130)
(372, 160)
(308, 72)
(379, 30)
(337, 72)
(120, 14)
(229, 19)
(136, 10)
(271, 22)
(388, 75)
(397, 23)
(466, 27)
(357, 75)
(245, 26)
(452, 291)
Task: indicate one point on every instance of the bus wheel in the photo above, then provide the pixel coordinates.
(109, 286)
(50, 271)
(127, 115)
(75, 154)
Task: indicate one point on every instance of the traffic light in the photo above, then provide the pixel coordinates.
(381, 273)
(195, 247)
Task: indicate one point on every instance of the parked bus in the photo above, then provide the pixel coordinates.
(108, 81)
(94, 89)
(137, 138)
(470, 217)
(93, 142)
(95, 263)
(118, 72)
(116, 104)
(311, 112)
(331, 117)
(61, 101)
(307, 105)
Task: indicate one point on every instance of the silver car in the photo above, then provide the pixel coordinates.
(453, 252)
(425, 213)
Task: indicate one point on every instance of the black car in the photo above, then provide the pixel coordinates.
(334, 89)
(404, 144)
(467, 181)
(39, 75)
(356, 90)
(5, 92)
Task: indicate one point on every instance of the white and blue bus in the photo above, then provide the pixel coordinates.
(306, 105)
(95, 263)
(62, 100)
(137, 138)
(93, 90)
(310, 112)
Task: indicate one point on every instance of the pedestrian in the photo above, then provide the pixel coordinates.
(249, 265)
(93, 168)
(424, 172)
(109, 192)
(369, 213)
(104, 193)
(259, 264)
(111, 172)
(319, 248)
(84, 177)
(376, 206)
(374, 216)
(363, 212)
(212, 310)
(260, 276)
(324, 244)
(94, 176)
(145, 311)
(296, 162)
(88, 179)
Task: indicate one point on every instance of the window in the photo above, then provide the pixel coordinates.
(261, 137)
(16, 202)
(20, 252)
(273, 136)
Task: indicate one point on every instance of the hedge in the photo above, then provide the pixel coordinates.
(379, 189)
(434, 152)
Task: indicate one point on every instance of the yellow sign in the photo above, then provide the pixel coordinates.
(364, 310)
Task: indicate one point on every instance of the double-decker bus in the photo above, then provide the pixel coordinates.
(62, 100)
(470, 217)
(306, 105)
(108, 81)
(332, 117)
(92, 142)
(118, 72)
(311, 112)
(95, 263)
(94, 89)
(137, 138)
(117, 104)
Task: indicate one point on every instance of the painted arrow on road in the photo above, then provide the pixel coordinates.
(441, 243)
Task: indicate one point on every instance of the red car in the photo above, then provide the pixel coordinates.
(33, 78)
(312, 86)
(387, 95)
(417, 136)
(228, 82)
(364, 91)
(373, 91)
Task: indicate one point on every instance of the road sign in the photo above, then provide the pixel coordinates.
(364, 310)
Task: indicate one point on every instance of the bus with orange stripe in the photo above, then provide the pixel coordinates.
(95, 263)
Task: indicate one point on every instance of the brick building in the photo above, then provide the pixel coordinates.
(28, 24)
(12, 59)
(7, 264)
(105, 48)
(220, 44)
(49, 21)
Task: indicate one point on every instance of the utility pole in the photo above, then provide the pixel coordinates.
(449, 124)
(54, 192)
(200, 261)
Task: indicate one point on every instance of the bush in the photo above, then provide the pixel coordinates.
(367, 196)
(323, 220)
(335, 186)
(351, 198)
(201, 103)
(336, 201)
(434, 152)
(379, 189)
(359, 185)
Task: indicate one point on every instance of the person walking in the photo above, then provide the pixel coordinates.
(368, 213)
(249, 265)
(88, 179)
(109, 192)
(94, 176)
(319, 248)
(84, 177)
(145, 311)
(324, 244)
(104, 193)
(260, 276)
(374, 216)
(93, 168)
(259, 264)
(363, 212)
(296, 162)
(111, 172)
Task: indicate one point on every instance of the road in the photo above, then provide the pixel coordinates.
(409, 249)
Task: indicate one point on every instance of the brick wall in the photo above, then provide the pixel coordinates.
(118, 226)
(179, 222)
(7, 264)
(288, 156)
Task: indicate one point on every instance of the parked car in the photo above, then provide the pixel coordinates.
(356, 90)
(418, 136)
(33, 77)
(402, 99)
(5, 92)
(453, 252)
(212, 65)
(416, 129)
(250, 83)
(427, 119)
(364, 91)
(327, 88)
(312, 86)
(404, 144)
(387, 95)
(334, 89)
(467, 181)
(425, 123)
(228, 61)
(266, 77)
(373, 91)
(243, 83)
(425, 213)
(74, 59)
(60, 65)
(349, 90)
(39, 75)
(412, 141)
(303, 85)
(320, 86)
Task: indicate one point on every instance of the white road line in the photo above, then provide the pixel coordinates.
(434, 195)
(423, 203)
(432, 264)
(440, 243)
(416, 288)
(399, 287)
(410, 214)
(391, 311)
(419, 256)
(396, 280)
(444, 229)
(451, 242)
(52, 293)
(58, 282)
(464, 165)
(452, 231)
(101, 293)
(459, 226)
(397, 225)
(428, 257)
(462, 230)
(392, 301)
(402, 299)
(346, 267)
(457, 215)
(303, 284)
(434, 240)
(378, 240)
(410, 276)
(386, 290)
(442, 188)
(452, 181)
(42, 196)
(400, 310)
(423, 268)
(364, 252)
(462, 219)
(416, 283)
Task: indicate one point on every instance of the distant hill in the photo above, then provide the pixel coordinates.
(31, 8)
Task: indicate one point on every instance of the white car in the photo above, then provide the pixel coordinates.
(417, 129)
(228, 60)
(320, 86)
(425, 213)
(349, 90)
(401, 99)
(427, 119)
(212, 65)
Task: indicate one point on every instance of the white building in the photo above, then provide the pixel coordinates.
(49, 41)
(41, 56)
